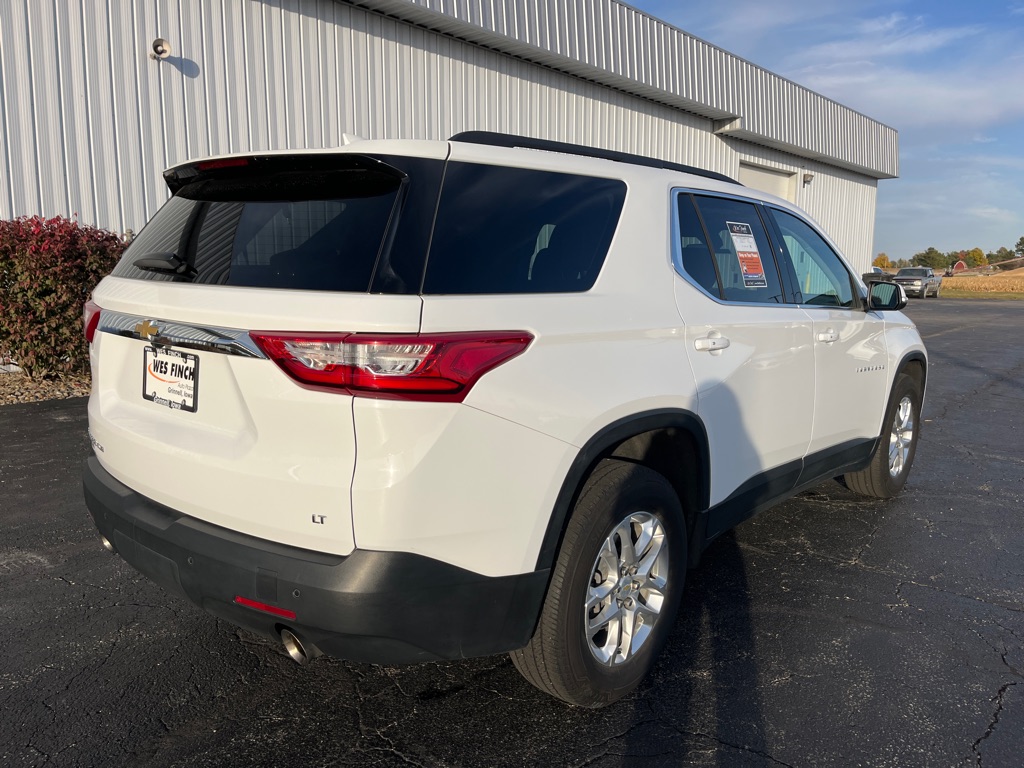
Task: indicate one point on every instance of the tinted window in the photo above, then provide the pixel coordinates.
(742, 252)
(511, 230)
(821, 278)
(163, 234)
(695, 256)
(310, 229)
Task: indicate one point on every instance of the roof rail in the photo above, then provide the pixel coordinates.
(492, 139)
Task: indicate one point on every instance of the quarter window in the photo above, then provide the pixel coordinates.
(694, 254)
(513, 230)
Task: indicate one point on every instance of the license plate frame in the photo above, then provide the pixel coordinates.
(170, 378)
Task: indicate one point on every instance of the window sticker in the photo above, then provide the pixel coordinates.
(748, 255)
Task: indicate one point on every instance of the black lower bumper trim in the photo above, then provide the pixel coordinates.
(379, 607)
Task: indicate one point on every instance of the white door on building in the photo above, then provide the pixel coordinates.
(779, 183)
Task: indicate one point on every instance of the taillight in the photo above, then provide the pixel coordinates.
(90, 319)
(439, 367)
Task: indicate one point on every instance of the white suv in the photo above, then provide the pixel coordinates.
(404, 401)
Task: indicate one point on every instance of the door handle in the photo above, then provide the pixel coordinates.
(828, 336)
(711, 344)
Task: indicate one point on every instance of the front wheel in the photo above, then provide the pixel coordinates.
(614, 591)
(890, 464)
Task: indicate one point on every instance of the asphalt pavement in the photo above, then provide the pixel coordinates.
(831, 630)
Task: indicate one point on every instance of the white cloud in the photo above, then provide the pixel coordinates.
(1002, 162)
(871, 46)
(991, 213)
(956, 104)
(882, 24)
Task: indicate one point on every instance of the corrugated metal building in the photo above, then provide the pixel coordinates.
(88, 119)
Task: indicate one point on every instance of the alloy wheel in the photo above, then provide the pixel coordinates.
(627, 588)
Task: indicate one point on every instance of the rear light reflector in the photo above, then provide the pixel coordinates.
(224, 162)
(438, 367)
(284, 613)
(90, 319)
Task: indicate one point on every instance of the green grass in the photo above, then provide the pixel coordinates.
(948, 293)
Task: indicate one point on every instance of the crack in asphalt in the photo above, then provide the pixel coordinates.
(846, 562)
(738, 747)
(973, 453)
(867, 544)
(605, 745)
(998, 701)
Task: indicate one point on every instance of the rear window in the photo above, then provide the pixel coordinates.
(309, 228)
(513, 230)
(364, 225)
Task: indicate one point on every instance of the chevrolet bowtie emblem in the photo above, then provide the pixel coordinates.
(147, 330)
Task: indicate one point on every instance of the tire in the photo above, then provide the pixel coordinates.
(584, 650)
(938, 289)
(890, 464)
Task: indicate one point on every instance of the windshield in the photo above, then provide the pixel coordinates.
(912, 273)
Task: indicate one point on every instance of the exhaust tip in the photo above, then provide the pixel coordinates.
(106, 544)
(301, 652)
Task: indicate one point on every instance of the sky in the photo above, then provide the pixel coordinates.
(948, 75)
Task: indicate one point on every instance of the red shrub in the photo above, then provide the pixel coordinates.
(48, 267)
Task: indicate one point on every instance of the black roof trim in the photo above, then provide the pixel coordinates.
(492, 139)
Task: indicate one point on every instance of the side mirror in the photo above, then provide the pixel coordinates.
(884, 296)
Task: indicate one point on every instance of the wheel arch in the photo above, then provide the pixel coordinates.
(672, 442)
(915, 365)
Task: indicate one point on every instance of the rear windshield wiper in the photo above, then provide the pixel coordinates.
(165, 262)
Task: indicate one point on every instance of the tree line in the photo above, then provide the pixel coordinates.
(936, 259)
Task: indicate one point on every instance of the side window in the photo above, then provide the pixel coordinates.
(515, 230)
(821, 278)
(742, 252)
(695, 257)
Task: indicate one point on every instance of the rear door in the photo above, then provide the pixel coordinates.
(751, 353)
(186, 409)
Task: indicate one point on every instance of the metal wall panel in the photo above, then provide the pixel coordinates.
(640, 53)
(89, 120)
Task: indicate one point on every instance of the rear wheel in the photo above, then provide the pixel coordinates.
(890, 464)
(615, 589)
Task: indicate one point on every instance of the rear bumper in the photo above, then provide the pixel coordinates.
(379, 607)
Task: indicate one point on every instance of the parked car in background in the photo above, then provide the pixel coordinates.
(919, 281)
(876, 273)
(407, 401)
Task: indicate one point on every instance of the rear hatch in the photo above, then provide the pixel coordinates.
(187, 408)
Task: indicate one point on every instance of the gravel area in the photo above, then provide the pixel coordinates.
(19, 388)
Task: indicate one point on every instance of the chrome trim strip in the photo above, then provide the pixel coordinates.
(224, 341)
